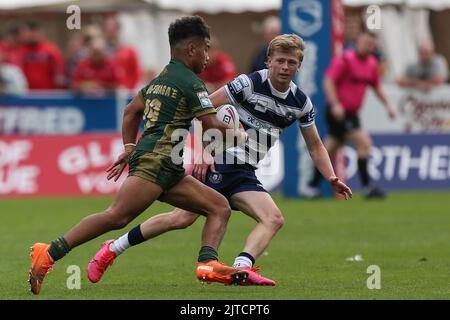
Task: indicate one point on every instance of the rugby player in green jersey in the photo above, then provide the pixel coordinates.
(166, 104)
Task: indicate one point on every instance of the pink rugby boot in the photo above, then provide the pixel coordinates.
(255, 279)
(101, 261)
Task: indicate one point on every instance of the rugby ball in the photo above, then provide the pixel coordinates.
(228, 114)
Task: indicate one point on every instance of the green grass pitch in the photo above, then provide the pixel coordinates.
(406, 236)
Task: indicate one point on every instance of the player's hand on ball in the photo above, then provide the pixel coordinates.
(116, 169)
(340, 188)
(201, 169)
(242, 137)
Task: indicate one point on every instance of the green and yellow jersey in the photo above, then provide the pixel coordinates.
(171, 100)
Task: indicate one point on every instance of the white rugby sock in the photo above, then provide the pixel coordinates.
(242, 262)
(120, 245)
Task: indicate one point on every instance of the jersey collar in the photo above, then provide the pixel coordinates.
(279, 94)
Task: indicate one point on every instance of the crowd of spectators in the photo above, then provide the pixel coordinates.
(94, 62)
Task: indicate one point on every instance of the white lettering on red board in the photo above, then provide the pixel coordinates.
(14, 175)
(85, 160)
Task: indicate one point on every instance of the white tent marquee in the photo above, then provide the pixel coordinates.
(215, 6)
(426, 4)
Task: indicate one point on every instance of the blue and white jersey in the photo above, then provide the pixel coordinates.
(265, 113)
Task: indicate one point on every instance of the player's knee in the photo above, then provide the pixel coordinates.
(223, 209)
(181, 221)
(115, 220)
(275, 220)
(366, 145)
(278, 221)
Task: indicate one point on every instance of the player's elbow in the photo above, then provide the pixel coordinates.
(130, 112)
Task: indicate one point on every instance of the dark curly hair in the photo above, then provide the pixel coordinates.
(187, 27)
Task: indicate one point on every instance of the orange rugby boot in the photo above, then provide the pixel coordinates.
(215, 271)
(41, 264)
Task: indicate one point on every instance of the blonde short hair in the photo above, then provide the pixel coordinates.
(285, 43)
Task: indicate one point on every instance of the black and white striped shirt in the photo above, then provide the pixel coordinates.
(265, 113)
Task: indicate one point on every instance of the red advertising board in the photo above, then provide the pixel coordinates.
(58, 165)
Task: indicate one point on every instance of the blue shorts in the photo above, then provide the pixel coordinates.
(233, 178)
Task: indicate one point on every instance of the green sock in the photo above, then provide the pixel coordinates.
(58, 248)
(207, 254)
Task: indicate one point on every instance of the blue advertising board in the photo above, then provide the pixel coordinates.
(405, 161)
(58, 114)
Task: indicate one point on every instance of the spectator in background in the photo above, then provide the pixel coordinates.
(96, 74)
(10, 46)
(125, 57)
(74, 51)
(220, 69)
(78, 45)
(353, 27)
(42, 62)
(12, 79)
(429, 71)
(271, 28)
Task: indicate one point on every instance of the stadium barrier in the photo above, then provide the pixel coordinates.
(60, 114)
(58, 165)
(57, 145)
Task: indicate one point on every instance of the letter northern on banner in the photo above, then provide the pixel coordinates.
(320, 24)
(404, 162)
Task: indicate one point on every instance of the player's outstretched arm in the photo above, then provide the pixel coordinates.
(322, 160)
(340, 188)
(131, 120)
